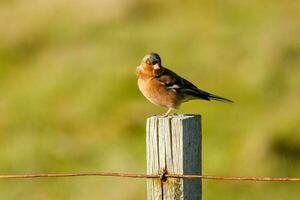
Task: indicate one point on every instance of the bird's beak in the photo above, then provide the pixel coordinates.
(156, 66)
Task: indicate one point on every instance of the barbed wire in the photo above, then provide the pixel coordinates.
(147, 176)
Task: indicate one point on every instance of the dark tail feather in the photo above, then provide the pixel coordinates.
(200, 94)
(217, 98)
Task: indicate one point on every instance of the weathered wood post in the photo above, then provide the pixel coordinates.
(174, 146)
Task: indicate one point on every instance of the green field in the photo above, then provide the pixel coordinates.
(69, 100)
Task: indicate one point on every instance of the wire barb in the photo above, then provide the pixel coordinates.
(163, 176)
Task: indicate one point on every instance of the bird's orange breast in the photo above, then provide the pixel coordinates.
(157, 93)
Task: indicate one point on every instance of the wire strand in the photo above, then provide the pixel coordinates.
(146, 176)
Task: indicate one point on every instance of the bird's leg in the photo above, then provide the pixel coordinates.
(168, 112)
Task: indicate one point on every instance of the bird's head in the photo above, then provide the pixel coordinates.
(152, 59)
(151, 64)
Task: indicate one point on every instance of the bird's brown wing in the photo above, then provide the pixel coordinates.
(182, 86)
(185, 88)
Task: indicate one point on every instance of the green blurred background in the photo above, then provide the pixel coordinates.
(69, 100)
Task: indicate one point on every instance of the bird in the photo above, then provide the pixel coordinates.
(165, 88)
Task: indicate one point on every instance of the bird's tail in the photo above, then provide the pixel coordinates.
(218, 98)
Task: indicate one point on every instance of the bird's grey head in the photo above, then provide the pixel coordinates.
(152, 59)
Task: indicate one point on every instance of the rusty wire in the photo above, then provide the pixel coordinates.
(146, 176)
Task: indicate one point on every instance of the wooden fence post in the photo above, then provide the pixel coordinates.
(174, 147)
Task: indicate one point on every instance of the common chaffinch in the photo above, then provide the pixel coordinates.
(165, 88)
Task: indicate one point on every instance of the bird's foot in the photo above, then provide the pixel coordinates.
(168, 113)
(165, 115)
